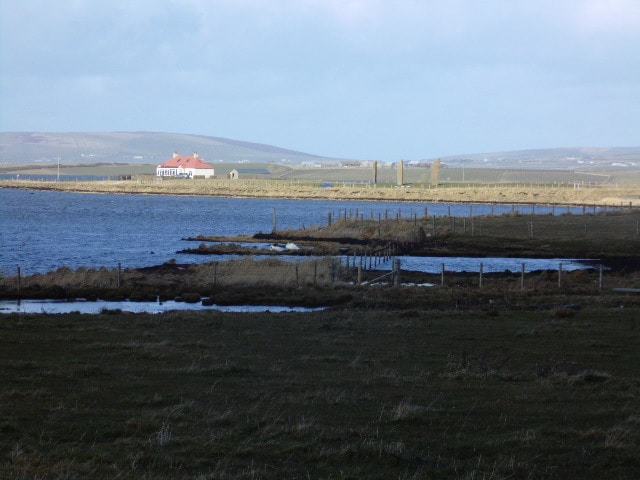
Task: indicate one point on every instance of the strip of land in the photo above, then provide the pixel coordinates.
(624, 195)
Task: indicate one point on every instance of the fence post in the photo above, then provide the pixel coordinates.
(600, 279)
(442, 276)
(396, 268)
(119, 274)
(360, 273)
(480, 282)
(560, 275)
(522, 279)
(275, 222)
(19, 277)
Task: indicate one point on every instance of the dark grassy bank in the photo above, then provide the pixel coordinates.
(613, 237)
(407, 393)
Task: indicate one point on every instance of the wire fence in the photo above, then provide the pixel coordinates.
(362, 270)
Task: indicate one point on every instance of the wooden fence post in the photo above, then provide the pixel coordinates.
(480, 282)
(600, 279)
(522, 279)
(560, 275)
(275, 221)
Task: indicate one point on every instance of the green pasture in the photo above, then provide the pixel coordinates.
(385, 175)
(407, 394)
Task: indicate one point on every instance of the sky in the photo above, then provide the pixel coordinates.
(361, 79)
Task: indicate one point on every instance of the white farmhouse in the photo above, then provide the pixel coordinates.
(184, 166)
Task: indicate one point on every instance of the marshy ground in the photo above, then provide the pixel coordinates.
(417, 392)
(505, 380)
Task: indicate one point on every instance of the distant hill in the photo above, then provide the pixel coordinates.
(154, 148)
(137, 147)
(584, 158)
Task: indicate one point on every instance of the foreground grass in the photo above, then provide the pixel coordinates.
(337, 394)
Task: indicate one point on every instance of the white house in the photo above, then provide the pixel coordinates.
(184, 166)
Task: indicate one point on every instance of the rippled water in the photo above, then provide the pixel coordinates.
(42, 231)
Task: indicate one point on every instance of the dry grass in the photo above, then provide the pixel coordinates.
(495, 193)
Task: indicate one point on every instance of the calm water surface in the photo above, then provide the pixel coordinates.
(42, 231)
(91, 307)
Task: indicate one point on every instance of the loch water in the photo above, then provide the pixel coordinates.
(41, 231)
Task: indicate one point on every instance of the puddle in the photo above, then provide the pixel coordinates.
(84, 306)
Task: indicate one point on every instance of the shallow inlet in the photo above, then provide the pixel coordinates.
(99, 306)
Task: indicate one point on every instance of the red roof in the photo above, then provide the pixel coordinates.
(186, 162)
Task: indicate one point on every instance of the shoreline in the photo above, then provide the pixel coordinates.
(627, 196)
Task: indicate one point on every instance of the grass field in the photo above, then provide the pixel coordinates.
(412, 175)
(559, 194)
(337, 394)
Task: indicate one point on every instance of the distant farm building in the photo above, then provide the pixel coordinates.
(237, 173)
(350, 163)
(185, 167)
